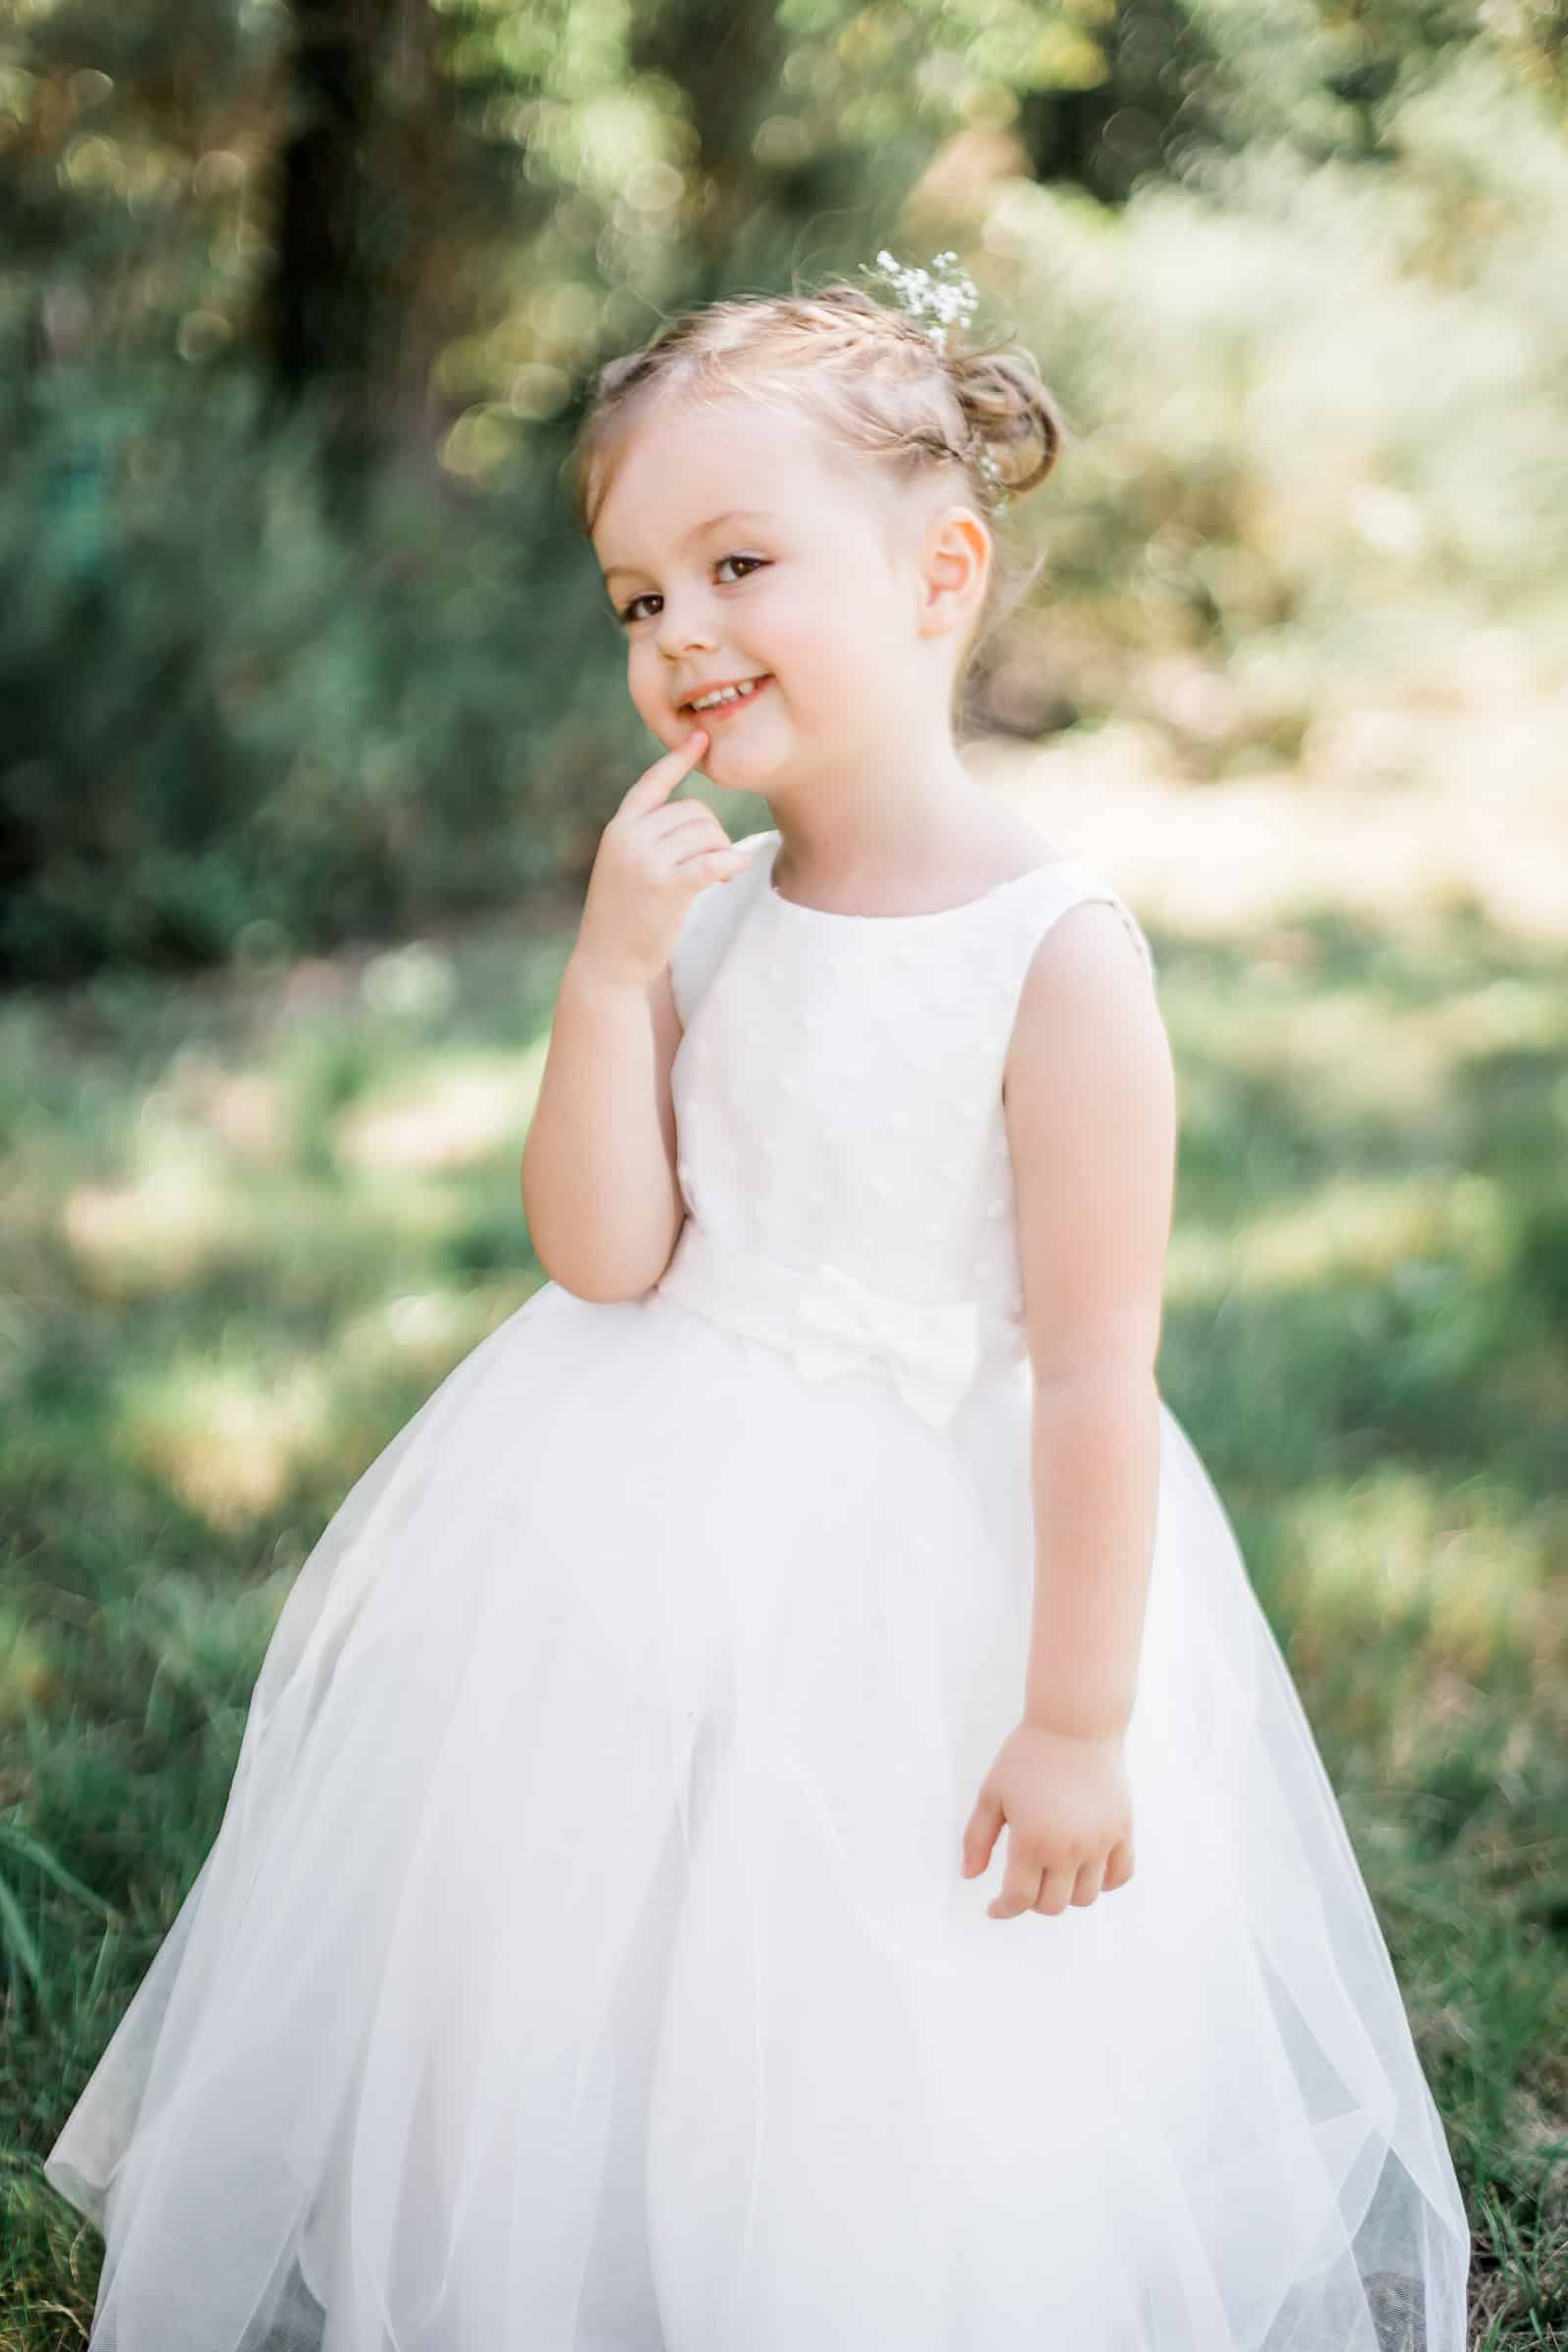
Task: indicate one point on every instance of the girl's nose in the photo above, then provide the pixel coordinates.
(683, 628)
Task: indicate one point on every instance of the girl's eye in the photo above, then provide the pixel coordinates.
(628, 611)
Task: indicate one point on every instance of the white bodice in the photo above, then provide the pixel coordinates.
(838, 1103)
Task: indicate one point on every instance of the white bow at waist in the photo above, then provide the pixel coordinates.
(828, 1321)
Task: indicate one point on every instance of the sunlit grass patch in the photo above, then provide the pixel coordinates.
(170, 1222)
(226, 1435)
(1460, 1575)
(232, 1429)
(27, 1675)
(1429, 1232)
(451, 1114)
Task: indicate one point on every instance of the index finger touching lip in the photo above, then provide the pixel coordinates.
(662, 777)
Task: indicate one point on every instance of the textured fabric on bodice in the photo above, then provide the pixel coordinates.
(838, 1100)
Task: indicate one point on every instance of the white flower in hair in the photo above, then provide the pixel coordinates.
(936, 299)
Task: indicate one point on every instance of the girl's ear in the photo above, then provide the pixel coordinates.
(955, 565)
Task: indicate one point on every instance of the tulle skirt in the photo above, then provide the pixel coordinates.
(583, 1963)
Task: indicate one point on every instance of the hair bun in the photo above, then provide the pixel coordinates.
(1017, 426)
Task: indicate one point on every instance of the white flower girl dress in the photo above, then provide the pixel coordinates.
(583, 1963)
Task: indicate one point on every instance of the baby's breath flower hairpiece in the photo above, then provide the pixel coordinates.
(933, 306)
(936, 299)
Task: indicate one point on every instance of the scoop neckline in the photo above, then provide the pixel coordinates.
(929, 914)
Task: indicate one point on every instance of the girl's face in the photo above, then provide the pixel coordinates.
(733, 548)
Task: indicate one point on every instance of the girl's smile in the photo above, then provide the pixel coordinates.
(719, 712)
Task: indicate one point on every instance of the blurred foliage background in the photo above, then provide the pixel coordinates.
(312, 710)
(300, 297)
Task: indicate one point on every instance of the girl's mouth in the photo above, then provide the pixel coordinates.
(719, 712)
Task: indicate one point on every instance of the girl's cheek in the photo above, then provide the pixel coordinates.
(650, 705)
(795, 629)
(643, 674)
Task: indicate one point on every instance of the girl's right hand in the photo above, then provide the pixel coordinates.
(653, 858)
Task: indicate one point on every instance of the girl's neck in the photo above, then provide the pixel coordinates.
(886, 860)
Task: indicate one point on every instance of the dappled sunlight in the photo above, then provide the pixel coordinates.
(247, 1110)
(1400, 1059)
(188, 1205)
(227, 1437)
(422, 1332)
(164, 1228)
(1350, 1048)
(231, 1438)
(451, 1114)
(1482, 829)
(1457, 1568)
(1381, 1226)
(223, 1172)
(28, 1674)
(1428, 1707)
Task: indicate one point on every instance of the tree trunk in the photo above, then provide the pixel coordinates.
(319, 309)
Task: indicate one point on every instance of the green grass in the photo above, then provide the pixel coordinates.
(249, 1227)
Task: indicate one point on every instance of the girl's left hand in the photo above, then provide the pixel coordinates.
(1067, 1805)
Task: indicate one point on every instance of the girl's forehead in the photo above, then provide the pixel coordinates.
(722, 429)
(676, 466)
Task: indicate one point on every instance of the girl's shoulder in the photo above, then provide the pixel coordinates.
(1029, 914)
(1065, 883)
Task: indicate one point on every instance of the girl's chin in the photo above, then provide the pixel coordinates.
(715, 772)
(721, 768)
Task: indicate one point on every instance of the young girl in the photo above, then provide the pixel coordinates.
(773, 1820)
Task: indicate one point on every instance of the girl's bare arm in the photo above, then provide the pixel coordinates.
(1090, 1102)
(599, 1183)
(1091, 1130)
(599, 1186)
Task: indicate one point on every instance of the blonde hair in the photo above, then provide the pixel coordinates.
(872, 378)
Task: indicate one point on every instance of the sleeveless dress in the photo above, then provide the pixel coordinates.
(582, 1963)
